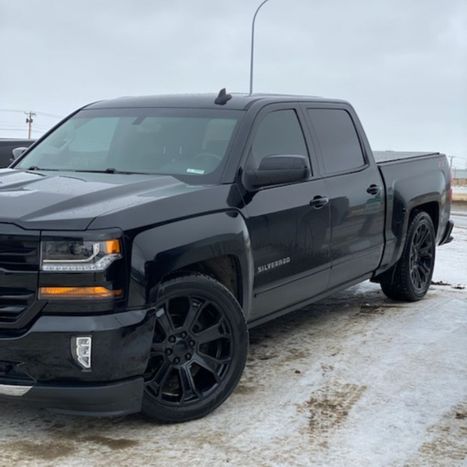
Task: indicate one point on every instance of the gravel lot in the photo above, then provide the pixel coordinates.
(352, 380)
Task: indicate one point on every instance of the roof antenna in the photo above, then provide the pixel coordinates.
(222, 98)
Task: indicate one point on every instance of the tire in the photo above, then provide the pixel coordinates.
(199, 349)
(410, 278)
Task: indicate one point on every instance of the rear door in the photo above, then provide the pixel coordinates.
(355, 190)
(289, 237)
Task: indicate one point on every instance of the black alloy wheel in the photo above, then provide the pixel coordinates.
(421, 257)
(410, 278)
(198, 352)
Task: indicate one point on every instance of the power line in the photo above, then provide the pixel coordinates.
(49, 115)
(6, 125)
(30, 119)
(12, 129)
(46, 114)
(11, 110)
(35, 129)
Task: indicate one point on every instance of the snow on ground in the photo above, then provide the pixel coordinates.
(451, 262)
(460, 193)
(459, 189)
(352, 380)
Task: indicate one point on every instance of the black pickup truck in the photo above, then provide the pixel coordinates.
(142, 237)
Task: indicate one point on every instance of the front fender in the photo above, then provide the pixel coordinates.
(165, 249)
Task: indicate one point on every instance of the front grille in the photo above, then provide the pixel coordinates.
(19, 269)
(19, 253)
(13, 302)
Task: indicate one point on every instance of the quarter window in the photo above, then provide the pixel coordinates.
(338, 139)
(279, 133)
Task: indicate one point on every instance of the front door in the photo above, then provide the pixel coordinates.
(289, 236)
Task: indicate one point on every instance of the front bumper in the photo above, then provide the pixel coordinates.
(38, 367)
(114, 399)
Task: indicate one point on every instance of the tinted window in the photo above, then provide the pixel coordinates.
(338, 139)
(185, 142)
(279, 133)
(94, 136)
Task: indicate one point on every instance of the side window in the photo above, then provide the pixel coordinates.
(338, 139)
(279, 133)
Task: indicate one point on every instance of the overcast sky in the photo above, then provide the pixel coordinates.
(402, 64)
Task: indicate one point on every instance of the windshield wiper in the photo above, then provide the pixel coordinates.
(109, 170)
(35, 167)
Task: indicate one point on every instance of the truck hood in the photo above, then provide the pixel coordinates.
(72, 201)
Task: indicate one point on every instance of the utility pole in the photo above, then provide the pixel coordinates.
(29, 120)
(252, 52)
(451, 168)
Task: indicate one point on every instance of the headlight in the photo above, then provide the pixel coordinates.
(79, 255)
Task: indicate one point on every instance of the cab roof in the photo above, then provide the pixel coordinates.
(237, 102)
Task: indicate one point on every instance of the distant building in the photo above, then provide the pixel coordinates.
(459, 176)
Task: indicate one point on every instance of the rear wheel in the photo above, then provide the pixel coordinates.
(410, 278)
(199, 349)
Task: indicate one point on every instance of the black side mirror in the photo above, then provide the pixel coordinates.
(277, 170)
(17, 152)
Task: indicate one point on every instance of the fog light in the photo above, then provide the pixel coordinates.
(81, 348)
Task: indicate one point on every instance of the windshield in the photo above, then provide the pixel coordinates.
(188, 142)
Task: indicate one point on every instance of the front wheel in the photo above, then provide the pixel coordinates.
(199, 349)
(410, 278)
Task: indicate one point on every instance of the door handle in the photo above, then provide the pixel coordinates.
(319, 202)
(373, 189)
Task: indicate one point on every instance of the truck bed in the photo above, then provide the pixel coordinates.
(384, 157)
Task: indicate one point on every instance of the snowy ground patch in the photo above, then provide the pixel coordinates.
(459, 189)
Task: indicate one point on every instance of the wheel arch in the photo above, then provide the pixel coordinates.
(432, 208)
(217, 245)
(406, 213)
(224, 269)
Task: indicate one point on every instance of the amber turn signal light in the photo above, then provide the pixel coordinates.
(78, 292)
(112, 247)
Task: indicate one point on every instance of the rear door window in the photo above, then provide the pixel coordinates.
(338, 139)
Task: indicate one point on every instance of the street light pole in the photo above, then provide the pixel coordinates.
(252, 53)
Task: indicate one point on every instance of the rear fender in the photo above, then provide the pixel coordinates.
(404, 195)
